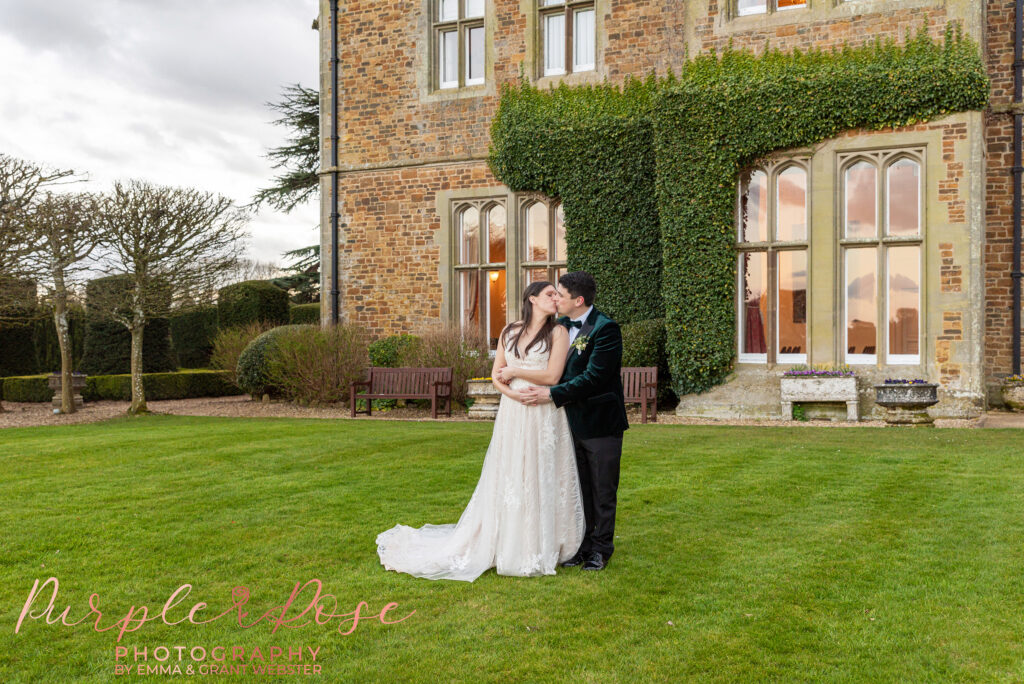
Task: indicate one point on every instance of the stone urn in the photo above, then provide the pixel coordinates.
(906, 403)
(485, 399)
(77, 385)
(1012, 390)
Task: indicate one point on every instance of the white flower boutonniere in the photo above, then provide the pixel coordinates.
(580, 343)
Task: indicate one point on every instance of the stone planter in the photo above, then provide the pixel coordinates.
(77, 385)
(485, 399)
(819, 389)
(906, 404)
(1013, 394)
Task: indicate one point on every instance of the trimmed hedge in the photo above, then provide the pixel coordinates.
(17, 323)
(179, 385)
(252, 301)
(192, 334)
(388, 352)
(698, 131)
(108, 344)
(47, 346)
(301, 314)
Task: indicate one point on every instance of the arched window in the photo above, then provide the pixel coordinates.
(772, 218)
(881, 257)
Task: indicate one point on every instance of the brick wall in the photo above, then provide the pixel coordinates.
(999, 193)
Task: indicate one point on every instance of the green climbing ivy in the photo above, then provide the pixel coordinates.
(647, 173)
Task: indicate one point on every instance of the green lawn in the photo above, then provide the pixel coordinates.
(742, 554)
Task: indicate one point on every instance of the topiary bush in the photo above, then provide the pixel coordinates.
(684, 140)
(388, 352)
(300, 314)
(108, 343)
(253, 371)
(229, 343)
(252, 301)
(192, 333)
(17, 320)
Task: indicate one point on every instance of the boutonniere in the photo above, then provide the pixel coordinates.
(580, 343)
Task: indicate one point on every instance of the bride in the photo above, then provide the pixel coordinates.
(526, 514)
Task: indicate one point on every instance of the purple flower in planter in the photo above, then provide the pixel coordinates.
(904, 381)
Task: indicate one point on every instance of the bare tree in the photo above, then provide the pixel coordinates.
(20, 182)
(163, 239)
(66, 230)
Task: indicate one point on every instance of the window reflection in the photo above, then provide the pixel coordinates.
(904, 301)
(754, 274)
(793, 302)
(536, 233)
(754, 208)
(791, 208)
(469, 236)
(861, 200)
(904, 200)
(861, 302)
(496, 234)
(560, 250)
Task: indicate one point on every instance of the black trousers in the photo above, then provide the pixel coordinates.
(597, 461)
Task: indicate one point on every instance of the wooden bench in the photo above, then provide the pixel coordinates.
(640, 386)
(434, 384)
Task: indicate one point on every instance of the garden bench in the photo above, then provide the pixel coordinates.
(434, 384)
(640, 386)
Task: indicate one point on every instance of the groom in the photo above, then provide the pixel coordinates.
(591, 391)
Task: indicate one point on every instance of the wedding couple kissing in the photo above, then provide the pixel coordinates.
(547, 490)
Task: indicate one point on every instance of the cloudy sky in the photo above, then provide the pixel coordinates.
(170, 91)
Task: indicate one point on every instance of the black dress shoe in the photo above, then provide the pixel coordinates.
(574, 561)
(595, 561)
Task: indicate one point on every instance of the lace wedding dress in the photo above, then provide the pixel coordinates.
(526, 514)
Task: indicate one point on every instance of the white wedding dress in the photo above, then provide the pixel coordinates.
(526, 514)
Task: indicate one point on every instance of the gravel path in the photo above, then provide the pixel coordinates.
(33, 414)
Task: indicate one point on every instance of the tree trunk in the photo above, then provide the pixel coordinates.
(60, 319)
(138, 393)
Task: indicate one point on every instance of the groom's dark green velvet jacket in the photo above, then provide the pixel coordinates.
(591, 386)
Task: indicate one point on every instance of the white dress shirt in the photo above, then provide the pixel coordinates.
(574, 331)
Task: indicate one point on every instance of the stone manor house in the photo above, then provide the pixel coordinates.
(890, 251)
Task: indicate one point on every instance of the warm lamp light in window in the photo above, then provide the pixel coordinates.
(494, 276)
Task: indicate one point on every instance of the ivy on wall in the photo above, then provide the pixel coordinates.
(647, 174)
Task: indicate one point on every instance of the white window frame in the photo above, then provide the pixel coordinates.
(773, 246)
(882, 161)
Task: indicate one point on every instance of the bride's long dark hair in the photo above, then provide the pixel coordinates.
(519, 327)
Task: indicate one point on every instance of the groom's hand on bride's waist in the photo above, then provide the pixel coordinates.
(536, 395)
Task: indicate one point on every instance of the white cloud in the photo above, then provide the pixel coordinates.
(173, 92)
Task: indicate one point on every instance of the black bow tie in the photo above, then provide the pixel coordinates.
(571, 324)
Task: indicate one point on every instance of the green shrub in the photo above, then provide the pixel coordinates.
(300, 314)
(252, 301)
(253, 371)
(311, 363)
(684, 140)
(27, 388)
(178, 385)
(643, 344)
(229, 343)
(192, 333)
(387, 352)
(442, 346)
